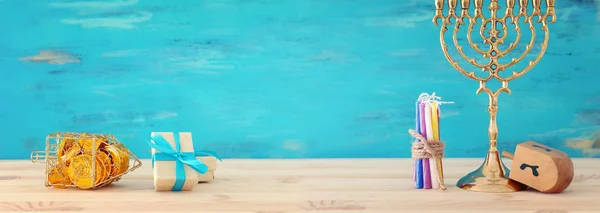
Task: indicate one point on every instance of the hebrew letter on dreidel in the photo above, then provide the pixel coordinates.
(534, 170)
(541, 147)
(541, 167)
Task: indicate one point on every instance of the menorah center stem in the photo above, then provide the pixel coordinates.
(493, 126)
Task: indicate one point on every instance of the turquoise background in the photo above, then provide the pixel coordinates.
(278, 78)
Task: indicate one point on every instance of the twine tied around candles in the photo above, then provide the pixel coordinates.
(427, 149)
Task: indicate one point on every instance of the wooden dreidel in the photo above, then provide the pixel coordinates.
(540, 167)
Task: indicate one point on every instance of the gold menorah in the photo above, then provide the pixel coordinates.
(492, 176)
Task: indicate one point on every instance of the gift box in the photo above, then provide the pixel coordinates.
(174, 162)
(211, 162)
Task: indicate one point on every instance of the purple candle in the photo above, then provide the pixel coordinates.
(426, 171)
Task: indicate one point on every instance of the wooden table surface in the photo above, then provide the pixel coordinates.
(285, 186)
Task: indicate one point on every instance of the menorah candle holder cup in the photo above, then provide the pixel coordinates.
(492, 176)
(541, 167)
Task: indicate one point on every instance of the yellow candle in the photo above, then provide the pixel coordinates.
(434, 122)
(436, 134)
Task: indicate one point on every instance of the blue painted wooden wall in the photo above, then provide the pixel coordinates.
(277, 78)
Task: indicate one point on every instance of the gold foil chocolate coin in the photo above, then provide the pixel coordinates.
(103, 141)
(116, 159)
(80, 171)
(59, 177)
(124, 162)
(89, 145)
(73, 151)
(100, 177)
(64, 145)
(124, 153)
(104, 161)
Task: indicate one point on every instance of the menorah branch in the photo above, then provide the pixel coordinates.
(472, 23)
(452, 62)
(532, 63)
(514, 20)
(528, 48)
(459, 48)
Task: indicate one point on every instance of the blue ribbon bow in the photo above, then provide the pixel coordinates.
(167, 153)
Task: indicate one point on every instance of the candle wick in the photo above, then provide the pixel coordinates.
(423, 96)
(433, 99)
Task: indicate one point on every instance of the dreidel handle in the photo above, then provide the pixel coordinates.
(507, 155)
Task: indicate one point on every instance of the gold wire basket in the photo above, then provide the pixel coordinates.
(85, 161)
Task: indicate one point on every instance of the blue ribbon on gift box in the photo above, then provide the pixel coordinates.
(167, 153)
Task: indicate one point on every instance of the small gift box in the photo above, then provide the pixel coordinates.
(211, 162)
(174, 161)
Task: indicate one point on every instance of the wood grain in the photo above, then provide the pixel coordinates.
(287, 186)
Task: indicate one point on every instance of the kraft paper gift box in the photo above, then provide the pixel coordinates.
(211, 162)
(174, 163)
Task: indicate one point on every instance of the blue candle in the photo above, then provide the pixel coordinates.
(419, 162)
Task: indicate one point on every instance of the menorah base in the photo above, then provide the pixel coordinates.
(492, 176)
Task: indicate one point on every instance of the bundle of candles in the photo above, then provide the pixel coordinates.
(427, 150)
